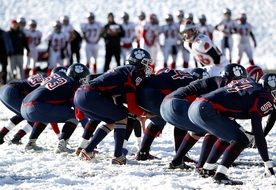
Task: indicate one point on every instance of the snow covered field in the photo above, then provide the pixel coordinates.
(46, 170)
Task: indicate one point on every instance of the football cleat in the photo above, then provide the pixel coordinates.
(221, 178)
(144, 156)
(86, 155)
(205, 173)
(31, 145)
(62, 147)
(16, 140)
(78, 151)
(121, 160)
(182, 166)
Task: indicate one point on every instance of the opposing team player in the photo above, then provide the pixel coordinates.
(244, 31)
(150, 37)
(57, 47)
(150, 95)
(170, 32)
(12, 95)
(128, 38)
(91, 34)
(97, 99)
(139, 29)
(34, 39)
(185, 53)
(226, 28)
(203, 49)
(46, 103)
(243, 99)
(205, 28)
(255, 72)
(174, 110)
(68, 30)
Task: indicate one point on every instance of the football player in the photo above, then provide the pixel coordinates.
(205, 28)
(34, 39)
(128, 38)
(91, 34)
(150, 95)
(243, 99)
(244, 32)
(174, 110)
(203, 49)
(226, 27)
(98, 97)
(46, 103)
(57, 46)
(170, 32)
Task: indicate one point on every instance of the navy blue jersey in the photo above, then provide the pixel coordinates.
(121, 81)
(28, 85)
(199, 87)
(168, 81)
(55, 89)
(240, 99)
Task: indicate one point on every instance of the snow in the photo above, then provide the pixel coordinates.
(46, 170)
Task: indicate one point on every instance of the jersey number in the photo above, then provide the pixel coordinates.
(55, 81)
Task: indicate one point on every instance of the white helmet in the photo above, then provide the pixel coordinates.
(188, 31)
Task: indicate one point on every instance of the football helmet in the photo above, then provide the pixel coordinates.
(21, 20)
(125, 16)
(59, 69)
(90, 17)
(57, 26)
(32, 23)
(169, 18)
(227, 11)
(200, 73)
(189, 16)
(142, 59)
(188, 31)
(77, 71)
(255, 72)
(242, 18)
(142, 15)
(180, 14)
(202, 19)
(234, 71)
(268, 81)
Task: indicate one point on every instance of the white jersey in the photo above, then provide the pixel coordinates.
(91, 32)
(58, 41)
(243, 31)
(67, 30)
(34, 38)
(206, 29)
(226, 27)
(130, 35)
(170, 33)
(200, 47)
(150, 34)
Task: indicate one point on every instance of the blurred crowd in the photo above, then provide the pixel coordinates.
(65, 42)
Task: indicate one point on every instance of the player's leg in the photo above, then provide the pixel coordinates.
(108, 56)
(240, 52)
(173, 53)
(95, 50)
(117, 55)
(186, 57)
(230, 47)
(249, 52)
(22, 132)
(165, 51)
(151, 132)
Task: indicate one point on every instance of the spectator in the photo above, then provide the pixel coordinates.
(75, 46)
(19, 43)
(5, 50)
(112, 34)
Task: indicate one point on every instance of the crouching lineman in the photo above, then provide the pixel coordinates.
(96, 101)
(150, 95)
(12, 95)
(52, 102)
(242, 99)
(174, 110)
(203, 49)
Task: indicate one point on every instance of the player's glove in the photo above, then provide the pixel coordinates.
(269, 168)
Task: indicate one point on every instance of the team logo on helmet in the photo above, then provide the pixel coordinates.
(78, 69)
(271, 81)
(139, 54)
(237, 71)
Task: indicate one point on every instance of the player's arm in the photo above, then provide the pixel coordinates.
(253, 38)
(270, 122)
(197, 88)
